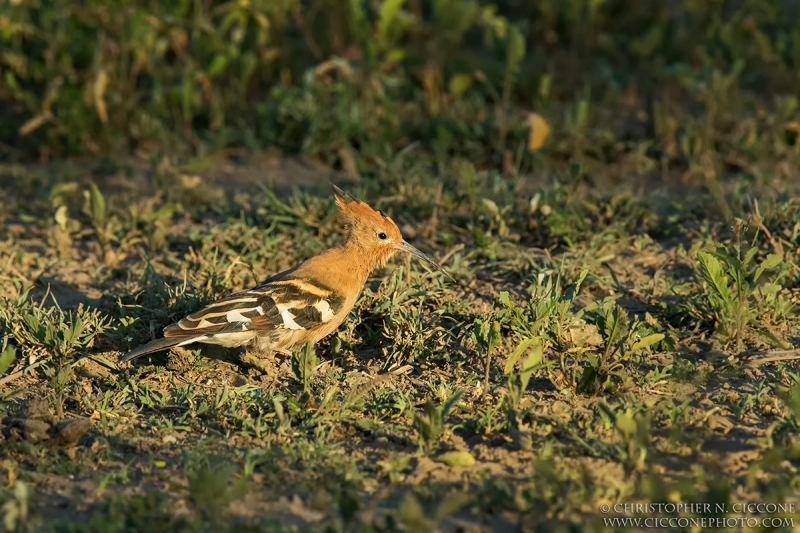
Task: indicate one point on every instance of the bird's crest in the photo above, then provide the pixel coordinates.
(353, 209)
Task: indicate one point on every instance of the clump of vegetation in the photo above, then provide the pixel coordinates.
(738, 302)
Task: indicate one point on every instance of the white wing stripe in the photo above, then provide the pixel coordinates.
(236, 316)
(288, 320)
(324, 309)
(193, 339)
(232, 311)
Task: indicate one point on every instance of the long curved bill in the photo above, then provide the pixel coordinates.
(405, 247)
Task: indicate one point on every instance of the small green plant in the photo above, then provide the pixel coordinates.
(783, 432)
(7, 356)
(53, 336)
(150, 225)
(621, 340)
(412, 515)
(15, 509)
(678, 417)
(734, 296)
(547, 319)
(757, 400)
(304, 365)
(58, 382)
(381, 40)
(633, 431)
(60, 333)
(63, 232)
(431, 423)
(94, 206)
(486, 335)
(487, 420)
(518, 381)
(213, 485)
(394, 466)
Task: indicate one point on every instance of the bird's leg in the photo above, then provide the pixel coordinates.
(254, 358)
(248, 361)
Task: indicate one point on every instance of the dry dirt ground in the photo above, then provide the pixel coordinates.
(194, 440)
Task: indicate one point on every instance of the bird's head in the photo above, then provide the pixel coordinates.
(374, 232)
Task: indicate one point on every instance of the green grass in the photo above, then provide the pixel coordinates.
(623, 328)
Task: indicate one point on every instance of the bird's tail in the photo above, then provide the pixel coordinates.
(152, 346)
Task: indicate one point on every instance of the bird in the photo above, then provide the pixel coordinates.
(303, 304)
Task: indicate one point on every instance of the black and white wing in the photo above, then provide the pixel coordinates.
(266, 310)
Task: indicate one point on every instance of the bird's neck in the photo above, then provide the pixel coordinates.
(347, 265)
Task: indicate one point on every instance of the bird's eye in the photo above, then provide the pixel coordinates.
(382, 235)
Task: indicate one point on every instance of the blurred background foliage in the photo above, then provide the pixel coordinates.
(703, 84)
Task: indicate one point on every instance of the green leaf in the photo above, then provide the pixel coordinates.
(412, 515)
(713, 275)
(606, 413)
(460, 84)
(516, 50)
(775, 341)
(72, 334)
(490, 206)
(751, 253)
(6, 358)
(452, 503)
(582, 115)
(626, 424)
(386, 18)
(359, 21)
(772, 261)
(456, 459)
(587, 380)
(451, 401)
(572, 293)
(494, 337)
(531, 364)
(304, 364)
(498, 24)
(95, 206)
(62, 217)
(770, 289)
(504, 299)
(394, 56)
(515, 55)
(516, 354)
(217, 66)
(646, 342)
(60, 380)
(251, 63)
(336, 345)
(280, 414)
(615, 327)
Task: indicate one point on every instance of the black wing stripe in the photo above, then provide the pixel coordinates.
(307, 317)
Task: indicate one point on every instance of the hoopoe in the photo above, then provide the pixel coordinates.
(300, 305)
